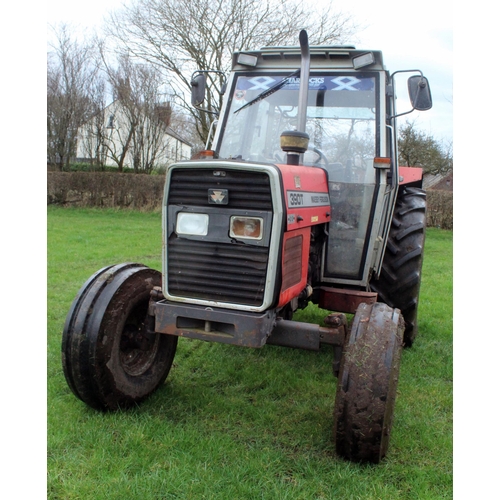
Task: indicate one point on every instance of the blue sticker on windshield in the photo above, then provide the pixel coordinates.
(341, 82)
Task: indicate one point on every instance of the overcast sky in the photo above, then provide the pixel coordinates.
(414, 37)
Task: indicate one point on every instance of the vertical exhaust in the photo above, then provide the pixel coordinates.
(305, 64)
(296, 142)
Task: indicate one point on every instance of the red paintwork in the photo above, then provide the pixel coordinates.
(294, 291)
(308, 180)
(410, 174)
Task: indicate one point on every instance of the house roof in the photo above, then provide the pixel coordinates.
(445, 184)
(175, 135)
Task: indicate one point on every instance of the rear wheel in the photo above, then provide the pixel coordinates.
(367, 383)
(110, 358)
(399, 281)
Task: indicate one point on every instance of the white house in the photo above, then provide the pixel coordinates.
(108, 136)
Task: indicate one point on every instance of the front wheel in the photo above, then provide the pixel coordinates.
(110, 358)
(367, 383)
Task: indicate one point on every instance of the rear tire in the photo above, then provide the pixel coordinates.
(367, 383)
(399, 282)
(109, 359)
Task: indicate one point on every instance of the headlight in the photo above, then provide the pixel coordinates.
(192, 224)
(246, 227)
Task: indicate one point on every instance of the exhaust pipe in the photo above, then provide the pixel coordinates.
(296, 142)
(305, 64)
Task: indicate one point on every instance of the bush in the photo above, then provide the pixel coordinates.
(105, 189)
(440, 209)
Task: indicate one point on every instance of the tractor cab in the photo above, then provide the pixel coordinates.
(349, 122)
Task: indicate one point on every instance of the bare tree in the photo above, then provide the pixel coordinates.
(121, 128)
(71, 72)
(144, 114)
(184, 125)
(184, 36)
(92, 133)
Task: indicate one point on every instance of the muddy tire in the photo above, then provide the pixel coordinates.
(401, 273)
(109, 359)
(367, 383)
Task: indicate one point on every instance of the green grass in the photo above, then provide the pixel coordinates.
(238, 423)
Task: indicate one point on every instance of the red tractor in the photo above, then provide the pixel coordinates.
(299, 199)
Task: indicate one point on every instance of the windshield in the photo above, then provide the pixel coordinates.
(342, 127)
(341, 118)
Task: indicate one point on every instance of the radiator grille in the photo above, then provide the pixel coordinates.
(214, 271)
(222, 271)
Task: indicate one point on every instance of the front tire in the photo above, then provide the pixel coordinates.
(367, 383)
(109, 358)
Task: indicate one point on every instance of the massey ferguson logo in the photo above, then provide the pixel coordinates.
(218, 196)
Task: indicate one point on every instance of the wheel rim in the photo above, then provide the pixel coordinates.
(137, 351)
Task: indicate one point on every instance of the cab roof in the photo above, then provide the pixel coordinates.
(322, 57)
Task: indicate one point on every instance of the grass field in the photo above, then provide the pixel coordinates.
(238, 423)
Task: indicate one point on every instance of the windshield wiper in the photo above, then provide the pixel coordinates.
(270, 90)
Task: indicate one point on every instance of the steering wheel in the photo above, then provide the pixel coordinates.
(320, 159)
(321, 156)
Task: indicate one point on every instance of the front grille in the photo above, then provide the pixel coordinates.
(247, 190)
(225, 271)
(214, 271)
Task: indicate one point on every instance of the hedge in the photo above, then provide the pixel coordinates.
(105, 189)
(145, 192)
(440, 209)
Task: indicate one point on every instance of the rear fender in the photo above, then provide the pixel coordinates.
(411, 176)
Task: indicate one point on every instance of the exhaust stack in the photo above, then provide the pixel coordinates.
(296, 142)
(305, 64)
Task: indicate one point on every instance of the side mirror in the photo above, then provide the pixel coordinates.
(198, 87)
(420, 93)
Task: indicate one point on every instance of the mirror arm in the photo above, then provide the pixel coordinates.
(216, 113)
(389, 118)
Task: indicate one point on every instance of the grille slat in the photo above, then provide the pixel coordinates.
(234, 274)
